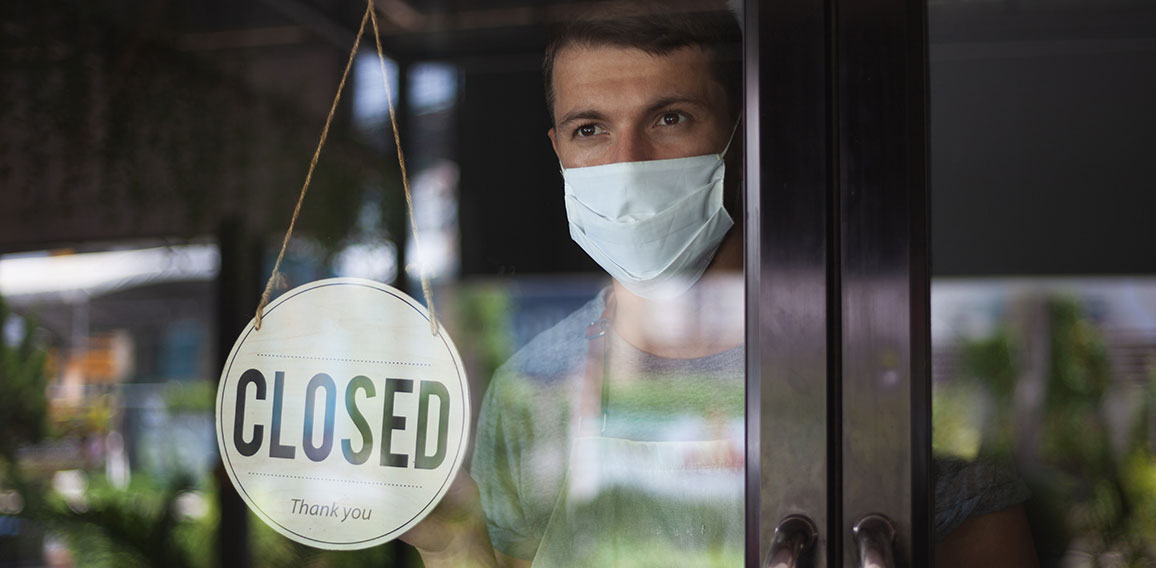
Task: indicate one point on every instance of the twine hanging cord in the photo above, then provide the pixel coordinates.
(277, 278)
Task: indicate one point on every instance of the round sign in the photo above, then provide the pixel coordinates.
(343, 420)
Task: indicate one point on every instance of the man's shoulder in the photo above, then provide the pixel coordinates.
(970, 488)
(558, 349)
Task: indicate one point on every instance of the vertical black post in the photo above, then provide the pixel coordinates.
(238, 291)
(919, 282)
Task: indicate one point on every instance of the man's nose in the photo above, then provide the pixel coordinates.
(632, 146)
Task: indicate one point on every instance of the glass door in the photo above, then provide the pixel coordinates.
(949, 305)
(1042, 292)
(950, 299)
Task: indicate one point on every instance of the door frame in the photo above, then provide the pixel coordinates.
(838, 273)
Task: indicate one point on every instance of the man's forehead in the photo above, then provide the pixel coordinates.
(582, 62)
(613, 75)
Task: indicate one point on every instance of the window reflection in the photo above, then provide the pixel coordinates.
(1056, 377)
(107, 356)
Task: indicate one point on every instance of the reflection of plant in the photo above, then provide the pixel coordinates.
(993, 360)
(1074, 431)
(1138, 470)
(22, 400)
(955, 427)
(148, 524)
(139, 525)
(22, 418)
(991, 363)
(1139, 476)
(1074, 440)
(484, 316)
(94, 417)
(190, 396)
(1082, 492)
(144, 524)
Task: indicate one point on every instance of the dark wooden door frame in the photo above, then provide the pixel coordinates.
(838, 272)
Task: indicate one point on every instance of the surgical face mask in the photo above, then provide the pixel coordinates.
(654, 225)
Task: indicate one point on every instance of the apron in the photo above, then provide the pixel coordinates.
(629, 503)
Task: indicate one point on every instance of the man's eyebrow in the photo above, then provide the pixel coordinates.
(581, 114)
(675, 100)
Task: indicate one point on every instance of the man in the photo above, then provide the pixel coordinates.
(622, 445)
(616, 437)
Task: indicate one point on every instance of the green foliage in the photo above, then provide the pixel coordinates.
(1083, 494)
(95, 416)
(138, 525)
(1079, 369)
(142, 526)
(23, 406)
(190, 396)
(483, 315)
(991, 369)
(956, 426)
(1075, 433)
(1139, 483)
(1074, 444)
(992, 360)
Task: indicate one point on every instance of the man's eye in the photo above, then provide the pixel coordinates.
(671, 119)
(587, 130)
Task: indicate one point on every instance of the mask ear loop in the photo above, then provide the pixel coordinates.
(735, 129)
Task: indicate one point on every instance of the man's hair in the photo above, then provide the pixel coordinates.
(658, 28)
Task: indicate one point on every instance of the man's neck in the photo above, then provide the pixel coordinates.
(705, 320)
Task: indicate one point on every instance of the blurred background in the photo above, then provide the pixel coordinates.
(1043, 261)
(150, 157)
(151, 153)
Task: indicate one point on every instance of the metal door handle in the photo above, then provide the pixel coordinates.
(794, 538)
(875, 541)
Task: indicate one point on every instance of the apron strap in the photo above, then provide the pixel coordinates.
(596, 365)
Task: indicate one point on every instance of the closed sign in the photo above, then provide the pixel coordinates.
(343, 420)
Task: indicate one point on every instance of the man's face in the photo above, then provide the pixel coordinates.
(615, 104)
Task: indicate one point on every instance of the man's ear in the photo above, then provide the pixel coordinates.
(553, 141)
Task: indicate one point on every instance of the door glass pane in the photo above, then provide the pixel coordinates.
(608, 413)
(1044, 303)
